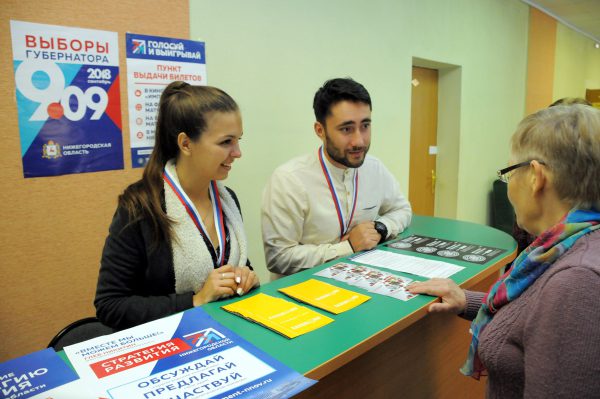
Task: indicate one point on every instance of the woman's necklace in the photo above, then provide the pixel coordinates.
(208, 218)
(208, 221)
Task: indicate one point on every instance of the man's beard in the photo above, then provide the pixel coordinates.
(341, 157)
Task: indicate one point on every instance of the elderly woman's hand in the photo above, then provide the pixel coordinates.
(452, 296)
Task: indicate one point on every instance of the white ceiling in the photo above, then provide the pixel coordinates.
(580, 15)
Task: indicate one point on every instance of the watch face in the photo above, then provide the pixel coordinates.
(381, 229)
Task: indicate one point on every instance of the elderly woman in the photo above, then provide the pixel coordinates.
(536, 333)
(524, 238)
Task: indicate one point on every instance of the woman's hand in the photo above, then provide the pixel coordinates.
(452, 296)
(246, 279)
(219, 284)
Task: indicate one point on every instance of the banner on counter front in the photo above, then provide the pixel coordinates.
(186, 355)
(152, 63)
(41, 375)
(68, 99)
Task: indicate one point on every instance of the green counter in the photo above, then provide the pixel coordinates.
(363, 327)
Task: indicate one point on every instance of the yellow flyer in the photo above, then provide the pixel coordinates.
(279, 315)
(325, 296)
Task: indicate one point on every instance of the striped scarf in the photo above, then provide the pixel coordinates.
(528, 266)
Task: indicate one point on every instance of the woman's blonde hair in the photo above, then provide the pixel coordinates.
(567, 139)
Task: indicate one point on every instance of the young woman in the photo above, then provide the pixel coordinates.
(177, 238)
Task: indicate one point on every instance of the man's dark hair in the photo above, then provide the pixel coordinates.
(336, 90)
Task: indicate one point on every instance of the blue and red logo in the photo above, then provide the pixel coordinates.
(203, 337)
(139, 46)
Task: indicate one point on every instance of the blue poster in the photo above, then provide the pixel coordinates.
(186, 355)
(68, 99)
(152, 63)
(40, 375)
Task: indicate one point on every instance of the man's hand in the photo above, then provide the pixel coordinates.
(363, 236)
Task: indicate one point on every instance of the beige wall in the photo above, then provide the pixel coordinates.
(53, 228)
(272, 56)
(577, 64)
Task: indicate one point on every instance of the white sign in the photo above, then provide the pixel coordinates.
(152, 63)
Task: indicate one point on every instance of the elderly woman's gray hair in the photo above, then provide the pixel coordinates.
(567, 139)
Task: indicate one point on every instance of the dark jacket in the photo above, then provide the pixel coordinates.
(136, 283)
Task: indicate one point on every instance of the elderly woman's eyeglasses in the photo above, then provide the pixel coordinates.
(505, 174)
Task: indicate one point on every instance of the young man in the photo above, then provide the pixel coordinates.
(335, 200)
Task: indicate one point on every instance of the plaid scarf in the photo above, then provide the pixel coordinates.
(528, 266)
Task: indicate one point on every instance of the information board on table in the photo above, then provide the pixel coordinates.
(152, 63)
(186, 355)
(41, 375)
(447, 249)
(372, 280)
(407, 264)
(68, 99)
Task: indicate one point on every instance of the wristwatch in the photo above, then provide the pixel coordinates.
(382, 230)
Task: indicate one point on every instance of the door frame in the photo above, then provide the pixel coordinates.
(448, 135)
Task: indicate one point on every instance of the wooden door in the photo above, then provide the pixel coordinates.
(593, 96)
(423, 139)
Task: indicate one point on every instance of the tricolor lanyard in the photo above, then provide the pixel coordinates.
(193, 213)
(344, 224)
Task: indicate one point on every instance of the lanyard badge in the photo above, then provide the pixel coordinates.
(195, 216)
(344, 224)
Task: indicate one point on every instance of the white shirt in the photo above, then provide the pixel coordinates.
(300, 226)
